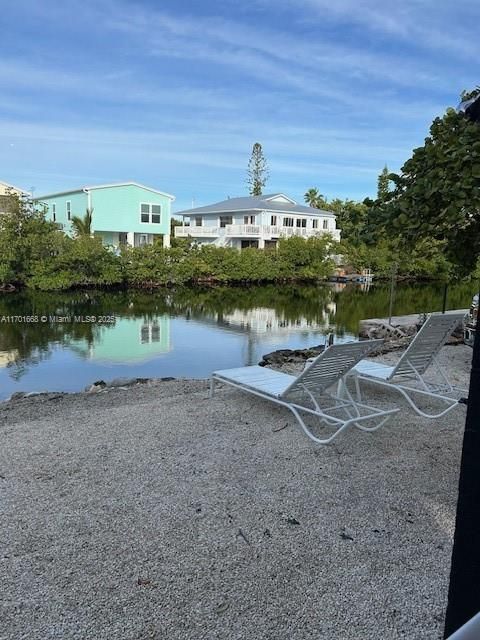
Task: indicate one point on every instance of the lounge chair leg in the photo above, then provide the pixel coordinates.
(357, 389)
(212, 387)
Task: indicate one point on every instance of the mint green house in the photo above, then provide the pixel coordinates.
(129, 340)
(123, 213)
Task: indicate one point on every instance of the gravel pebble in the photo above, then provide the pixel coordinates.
(154, 512)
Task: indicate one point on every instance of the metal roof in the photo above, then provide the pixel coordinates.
(106, 186)
(256, 203)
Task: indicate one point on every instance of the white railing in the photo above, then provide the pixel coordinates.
(288, 232)
(239, 230)
(252, 231)
(196, 232)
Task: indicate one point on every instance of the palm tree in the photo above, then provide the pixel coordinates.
(83, 226)
(313, 198)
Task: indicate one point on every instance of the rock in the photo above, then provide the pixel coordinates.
(377, 329)
(94, 388)
(55, 396)
(280, 357)
(18, 395)
(346, 534)
(277, 357)
(121, 382)
(97, 386)
(167, 379)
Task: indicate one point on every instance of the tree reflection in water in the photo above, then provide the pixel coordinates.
(23, 345)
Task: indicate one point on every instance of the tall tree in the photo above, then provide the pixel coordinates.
(312, 198)
(257, 172)
(83, 226)
(383, 185)
(437, 194)
(437, 197)
(26, 238)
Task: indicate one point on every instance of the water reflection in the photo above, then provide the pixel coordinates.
(186, 332)
(129, 340)
(8, 357)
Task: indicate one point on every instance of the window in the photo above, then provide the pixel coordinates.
(150, 333)
(249, 244)
(54, 212)
(248, 219)
(325, 224)
(288, 222)
(301, 222)
(122, 238)
(145, 334)
(198, 221)
(314, 224)
(155, 332)
(224, 220)
(69, 210)
(273, 221)
(150, 213)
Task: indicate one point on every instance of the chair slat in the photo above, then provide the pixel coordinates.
(427, 343)
(330, 366)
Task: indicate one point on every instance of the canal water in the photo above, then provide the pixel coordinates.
(64, 342)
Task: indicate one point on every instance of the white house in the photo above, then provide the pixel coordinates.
(6, 193)
(255, 221)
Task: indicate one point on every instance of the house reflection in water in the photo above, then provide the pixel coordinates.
(262, 325)
(8, 357)
(267, 321)
(131, 340)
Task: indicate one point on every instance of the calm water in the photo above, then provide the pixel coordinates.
(184, 332)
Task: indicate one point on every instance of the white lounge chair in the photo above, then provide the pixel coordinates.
(416, 359)
(306, 393)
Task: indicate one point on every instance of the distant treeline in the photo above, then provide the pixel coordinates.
(35, 254)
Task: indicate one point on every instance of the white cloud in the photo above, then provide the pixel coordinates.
(171, 96)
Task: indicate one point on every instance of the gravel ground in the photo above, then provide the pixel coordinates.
(154, 512)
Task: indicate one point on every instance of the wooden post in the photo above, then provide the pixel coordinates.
(444, 304)
(392, 291)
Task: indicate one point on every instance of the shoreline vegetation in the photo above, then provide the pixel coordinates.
(35, 254)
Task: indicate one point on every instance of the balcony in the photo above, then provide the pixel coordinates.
(266, 232)
(197, 232)
(244, 230)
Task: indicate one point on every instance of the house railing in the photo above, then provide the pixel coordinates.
(197, 232)
(252, 231)
(239, 230)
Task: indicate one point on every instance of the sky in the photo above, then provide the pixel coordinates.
(174, 93)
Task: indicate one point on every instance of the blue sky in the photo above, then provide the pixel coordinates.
(173, 94)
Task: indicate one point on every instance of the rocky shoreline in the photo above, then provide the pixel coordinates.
(285, 359)
(282, 357)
